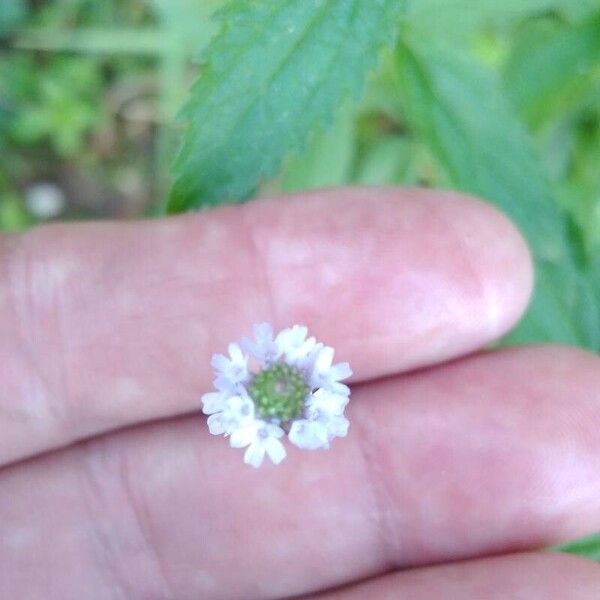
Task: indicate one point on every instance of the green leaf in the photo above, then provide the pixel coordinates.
(545, 72)
(459, 20)
(588, 546)
(459, 109)
(389, 159)
(328, 159)
(276, 72)
(189, 19)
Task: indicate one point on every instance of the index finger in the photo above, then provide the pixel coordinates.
(106, 325)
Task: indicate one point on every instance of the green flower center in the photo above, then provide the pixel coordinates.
(279, 392)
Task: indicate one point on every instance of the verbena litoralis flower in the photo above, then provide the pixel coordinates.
(284, 385)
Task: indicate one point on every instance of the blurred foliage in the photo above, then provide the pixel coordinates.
(12, 13)
(83, 120)
(58, 106)
(498, 99)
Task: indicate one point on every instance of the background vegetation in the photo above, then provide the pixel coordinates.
(500, 99)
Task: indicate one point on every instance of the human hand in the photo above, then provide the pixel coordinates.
(113, 488)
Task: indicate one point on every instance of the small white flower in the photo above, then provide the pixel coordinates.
(292, 388)
(325, 420)
(213, 402)
(327, 375)
(309, 434)
(293, 344)
(265, 348)
(228, 413)
(261, 438)
(230, 371)
(325, 402)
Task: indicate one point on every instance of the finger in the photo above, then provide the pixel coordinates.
(519, 576)
(495, 453)
(107, 325)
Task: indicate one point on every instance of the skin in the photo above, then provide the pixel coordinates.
(112, 488)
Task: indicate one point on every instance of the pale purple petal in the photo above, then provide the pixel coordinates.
(293, 344)
(263, 347)
(219, 362)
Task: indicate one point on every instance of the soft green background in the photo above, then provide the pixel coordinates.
(499, 99)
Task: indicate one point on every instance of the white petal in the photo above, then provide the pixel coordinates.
(340, 371)
(329, 402)
(307, 363)
(309, 435)
(321, 364)
(272, 430)
(224, 384)
(274, 449)
(230, 371)
(238, 367)
(292, 335)
(264, 348)
(293, 343)
(236, 354)
(249, 345)
(282, 339)
(215, 424)
(325, 358)
(306, 348)
(254, 455)
(338, 426)
(243, 436)
(240, 407)
(339, 388)
(212, 402)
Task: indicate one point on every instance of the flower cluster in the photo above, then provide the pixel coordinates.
(283, 385)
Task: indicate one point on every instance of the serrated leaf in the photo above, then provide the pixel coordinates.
(544, 72)
(276, 71)
(459, 109)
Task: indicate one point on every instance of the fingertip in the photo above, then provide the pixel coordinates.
(502, 259)
(414, 276)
